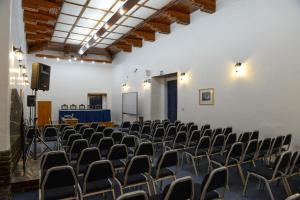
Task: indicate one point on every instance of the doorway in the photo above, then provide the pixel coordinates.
(172, 100)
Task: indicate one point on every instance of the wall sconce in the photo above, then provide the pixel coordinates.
(18, 53)
(125, 87)
(239, 69)
(147, 82)
(182, 76)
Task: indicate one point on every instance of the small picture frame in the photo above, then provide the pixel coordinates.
(207, 96)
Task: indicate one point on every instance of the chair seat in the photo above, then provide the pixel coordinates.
(59, 193)
(157, 139)
(133, 179)
(216, 150)
(74, 156)
(263, 171)
(95, 186)
(222, 160)
(163, 172)
(118, 163)
(199, 152)
(249, 157)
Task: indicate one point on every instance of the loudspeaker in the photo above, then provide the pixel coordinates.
(30, 100)
(40, 76)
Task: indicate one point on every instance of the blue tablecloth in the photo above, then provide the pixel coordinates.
(93, 115)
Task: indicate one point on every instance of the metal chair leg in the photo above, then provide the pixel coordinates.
(245, 186)
(269, 190)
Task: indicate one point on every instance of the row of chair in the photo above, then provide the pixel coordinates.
(80, 107)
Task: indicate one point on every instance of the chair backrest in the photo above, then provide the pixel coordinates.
(66, 134)
(78, 145)
(294, 161)
(81, 106)
(106, 143)
(95, 138)
(64, 107)
(82, 128)
(205, 127)
(125, 124)
(181, 138)
(244, 137)
(146, 129)
(189, 124)
(108, 131)
(135, 127)
(98, 171)
(255, 135)
(62, 126)
(145, 148)
(236, 151)
(183, 129)
(264, 146)
(282, 164)
(137, 165)
(165, 124)
(287, 140)
(218, 131)
(159, 133)
(87, 133)
(181, 188)
(204, 144)
(50, 132)
(118, 151)
(171, 132)
(166, 160)
(177, 122)
(194, 138)
(65, 128)
(53, 180)
(94, 125)
(192, 128)
(87, 156)
(227, 130)
(130, 141)
(218, 142)
(100, 128)
(231, 138)
(208, 132)
(78, 126)
(250, 149)
(216, 179)
(73, 107)
(53, 159)
(136, 195)
(117, 136)
(179, 126)
(72, 138)
(276, 145)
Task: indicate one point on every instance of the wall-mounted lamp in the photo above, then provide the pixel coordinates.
(18, 53)
(239, 69)
(125, 87)
(147, 82)
(182, 76)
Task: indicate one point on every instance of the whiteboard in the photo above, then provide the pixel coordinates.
(130, 103)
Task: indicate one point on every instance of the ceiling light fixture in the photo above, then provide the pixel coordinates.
(70, 60)
(81, 61)
(93, 62)
(114, 18)
(45, 58)
(57, 59)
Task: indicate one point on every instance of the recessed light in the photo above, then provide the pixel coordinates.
(93, 62)
(58, 59)
(81, 61)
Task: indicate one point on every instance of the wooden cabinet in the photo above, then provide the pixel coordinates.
(44, 113)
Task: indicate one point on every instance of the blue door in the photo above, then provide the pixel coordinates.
(172, 100)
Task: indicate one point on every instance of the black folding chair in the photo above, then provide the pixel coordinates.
(118, 155)
(104, 146)
(87, 156)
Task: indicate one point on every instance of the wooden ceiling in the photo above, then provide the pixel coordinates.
(65, 25)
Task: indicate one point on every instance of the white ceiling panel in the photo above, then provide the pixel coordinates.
(99, 25)
(107, 41)
(81, 2)
(81, 30)
(107, 17)
(66, 19)
(56, 39)
(63, 27)
(87, 23)
(132, 10)
(87, 39)
(93, 14)
(122, 29)
(117, 6)
(114, 36)
(132, 22)
(71, 9)
(102, 4)
(143, 13)
(101, 45)
(76, 36)
(60, 34)
(157, 4)
(70, 41)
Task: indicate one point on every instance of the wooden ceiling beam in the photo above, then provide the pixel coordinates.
(124, 47)
(35, 18)
(134, 41)
(146, 35)
(159, 27)
(38, 28)
(66, 58)
(180, 17)
(42, 5)
(208, 6)
(38, 36)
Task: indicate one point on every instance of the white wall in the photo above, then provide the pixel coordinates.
(71, 82)
(263, 34)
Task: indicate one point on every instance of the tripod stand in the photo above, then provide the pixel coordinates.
(36, 136)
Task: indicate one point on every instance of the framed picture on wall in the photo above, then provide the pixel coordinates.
(207, 96)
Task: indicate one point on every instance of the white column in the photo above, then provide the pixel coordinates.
(5, 48)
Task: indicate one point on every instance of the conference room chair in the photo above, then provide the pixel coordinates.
(131, 142)
(136, 173)
(89, 107)
(77, 147)
(199, 152)
(250, 152)
(104, 146)
(263, 149)
(178, 127)
(118, 155)
(65, 136)
(217, 131)
(294, 170)
(179, 142)
(95, 139)
(82, 128)
(64, 107)
(230, 140)
(94, 125)
(134, 129)
(117, 136)
(287, 142)
(169, 125)
(56, 187)
(30, 133)
(73, 107)
(193, 139)
(52, 159)
(78, 126)
(61, 127)
(100, 128)
(232, 159)
(194, 127)
(189, 124)
(227, 130)
(270, 174)
(181, 188)
(87, 133)
(98, 179)
(165, 124)
(145, 131)
(71, 139)
(208, 133)
(244, 137)
(205, 127)
(135, 195)
(176, 122)
(165, 120)
(87, 156)
(217, 145)
(212, 183)
(67, 128)
(276, 146)
(254, 135)
(81, 107)
(51, 135)
(147, 122)
(153, 125)
(170, 135)
(47, 126)
(162, 171)
(145, 148)
(158, 136)
(125, 126)
(107, 131)
(183, 129)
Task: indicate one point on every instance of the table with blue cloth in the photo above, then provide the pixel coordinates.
(86, 116)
